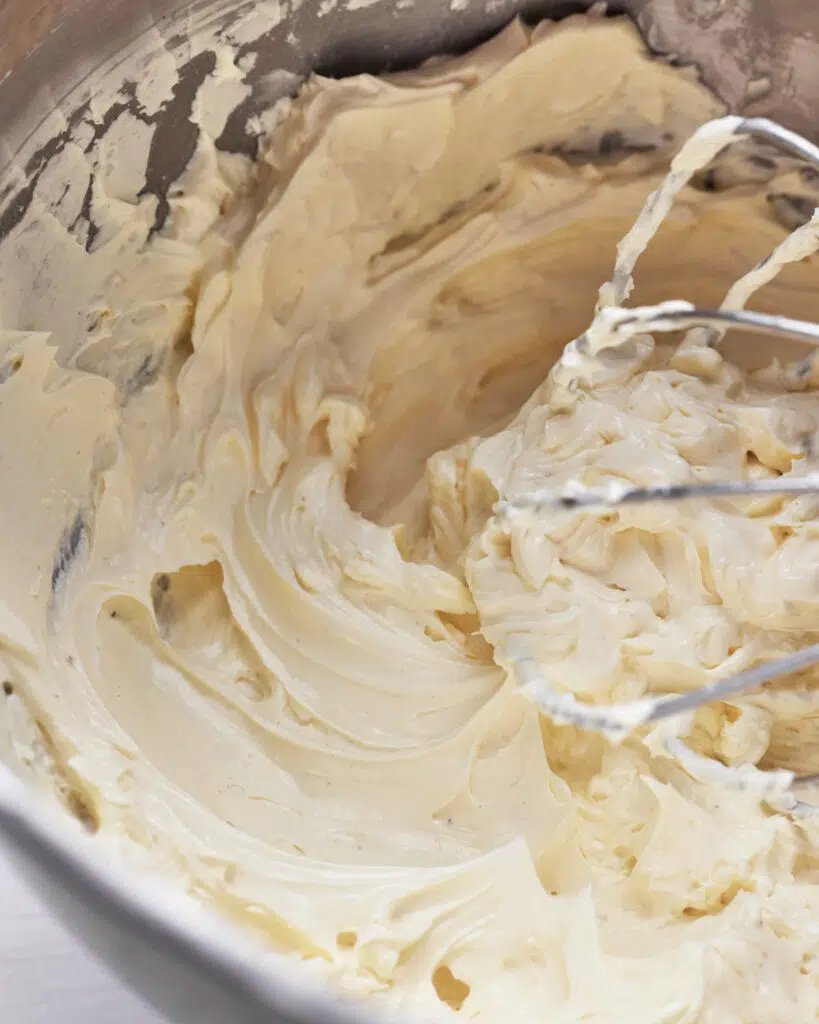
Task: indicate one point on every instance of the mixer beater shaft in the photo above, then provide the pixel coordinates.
(613, 325)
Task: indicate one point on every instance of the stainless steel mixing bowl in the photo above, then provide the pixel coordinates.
(761, 56)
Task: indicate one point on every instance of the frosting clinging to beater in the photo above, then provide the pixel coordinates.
(253, 589)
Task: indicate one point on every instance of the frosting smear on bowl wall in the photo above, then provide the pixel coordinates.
(254, 596)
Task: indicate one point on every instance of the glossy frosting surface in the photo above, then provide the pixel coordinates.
(254, 595)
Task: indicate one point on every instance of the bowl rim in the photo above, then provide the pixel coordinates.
(171, 920)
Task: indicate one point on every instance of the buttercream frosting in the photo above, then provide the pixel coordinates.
(254, 599)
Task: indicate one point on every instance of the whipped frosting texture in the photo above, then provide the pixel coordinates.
(254, 600)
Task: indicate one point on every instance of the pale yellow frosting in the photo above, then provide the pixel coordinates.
(253, 596)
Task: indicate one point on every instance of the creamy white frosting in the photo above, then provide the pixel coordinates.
(253, 591)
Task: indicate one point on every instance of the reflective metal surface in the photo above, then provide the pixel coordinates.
(760, 56)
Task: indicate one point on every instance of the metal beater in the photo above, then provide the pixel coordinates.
(612, 326)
